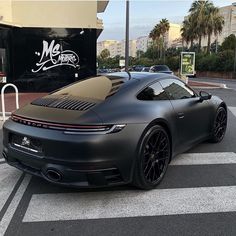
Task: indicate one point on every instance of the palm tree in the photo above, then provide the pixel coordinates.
(215, 23)
(184, 32)
(155, 36)
(105, 53)
(188, 31)
(199, 12)
(158, 34)
(164, 27)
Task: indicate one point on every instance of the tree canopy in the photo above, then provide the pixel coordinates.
(204, 20)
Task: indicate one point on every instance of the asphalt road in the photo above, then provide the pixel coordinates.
(197, 197)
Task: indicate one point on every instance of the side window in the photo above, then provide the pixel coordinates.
(153, 92)
(176, 89)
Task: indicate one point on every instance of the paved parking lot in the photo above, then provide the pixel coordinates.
(197, 197)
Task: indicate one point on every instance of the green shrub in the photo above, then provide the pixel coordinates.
(223, 61)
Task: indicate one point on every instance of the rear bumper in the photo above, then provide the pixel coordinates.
(81, 160)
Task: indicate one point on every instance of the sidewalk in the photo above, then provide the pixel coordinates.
(25, 98)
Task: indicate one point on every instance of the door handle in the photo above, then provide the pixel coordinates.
(180, 115)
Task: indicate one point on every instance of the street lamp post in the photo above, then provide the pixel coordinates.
(127, 38)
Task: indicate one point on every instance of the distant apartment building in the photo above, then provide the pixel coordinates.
(177, 43)
(133, 48)
(117, 48)
(229, 14)
(173, 35)
(105, 45)
(140, 44)
(143, 43)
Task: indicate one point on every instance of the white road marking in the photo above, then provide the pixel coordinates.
(116, 204)
(205, 158)
(233, 110)
(1, 123)
(14, 204)
(8, 178)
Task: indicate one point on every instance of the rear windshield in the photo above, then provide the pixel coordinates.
(97, 88)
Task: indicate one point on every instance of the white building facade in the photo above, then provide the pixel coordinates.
(117, 48)
(229, 14)
(140, 44)
(143, 43)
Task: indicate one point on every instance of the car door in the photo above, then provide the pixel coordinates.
(158, 106)
(192, 116)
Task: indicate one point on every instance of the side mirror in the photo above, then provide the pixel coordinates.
(204, 96)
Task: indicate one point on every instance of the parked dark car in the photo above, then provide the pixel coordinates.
(146, 69)
(138, 68)
(161, 69)
(103, 71)
(110, 130)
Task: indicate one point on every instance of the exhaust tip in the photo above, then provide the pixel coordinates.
(53, 175)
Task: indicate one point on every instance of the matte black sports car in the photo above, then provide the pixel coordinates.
(112, 130)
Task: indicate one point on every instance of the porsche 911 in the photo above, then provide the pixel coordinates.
(112, 130)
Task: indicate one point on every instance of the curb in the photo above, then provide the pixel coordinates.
(216, 84)
(209, 85)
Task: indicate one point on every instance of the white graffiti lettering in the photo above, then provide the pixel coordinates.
(52, 56)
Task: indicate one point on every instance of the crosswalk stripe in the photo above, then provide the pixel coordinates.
(233, 110)
(205, 158)
(8, 178)
(116, 204)
(4, 223)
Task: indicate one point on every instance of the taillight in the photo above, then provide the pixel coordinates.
(68, 128)
(117, 128)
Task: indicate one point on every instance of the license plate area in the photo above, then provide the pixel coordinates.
(26, 143)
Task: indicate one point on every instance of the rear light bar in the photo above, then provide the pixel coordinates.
(67, 128)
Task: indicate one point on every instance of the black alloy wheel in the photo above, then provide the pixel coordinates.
(220, 125)
(153, 159)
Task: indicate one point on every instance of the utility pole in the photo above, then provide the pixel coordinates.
(127, 38)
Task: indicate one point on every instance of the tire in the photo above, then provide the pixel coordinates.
(219, 126)
(153, 158)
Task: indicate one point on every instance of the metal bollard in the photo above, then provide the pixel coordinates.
(3, 100)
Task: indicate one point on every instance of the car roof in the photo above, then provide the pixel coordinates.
(140, 75)
(138, 80)
(160, 65)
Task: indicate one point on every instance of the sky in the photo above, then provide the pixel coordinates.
(144, 15)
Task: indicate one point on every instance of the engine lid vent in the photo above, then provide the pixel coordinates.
(64, 102)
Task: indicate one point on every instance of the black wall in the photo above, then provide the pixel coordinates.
(59, 63)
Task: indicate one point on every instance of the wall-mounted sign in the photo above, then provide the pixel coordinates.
(122, 63)
(52, 56)
(187, 63)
